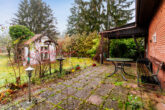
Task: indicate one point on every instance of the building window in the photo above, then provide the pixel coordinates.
(154, 37)
(44, 53)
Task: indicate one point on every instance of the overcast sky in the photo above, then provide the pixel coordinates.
(61, 10)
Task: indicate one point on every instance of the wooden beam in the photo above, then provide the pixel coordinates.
(126, 33)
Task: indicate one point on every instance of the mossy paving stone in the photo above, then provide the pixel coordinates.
(90, 78)
(109, 103)
(43, 106)
(13, 107)
(68, 82)
(51, 91)
(53, 85)
(119, 93)
(95, 99)
(98, 79)
(57, 98)
(93, 75)
(84, 81)
(93, 84)
(89, 70)
(38, 91)
(75, 80)
(110, 80)
(25, 104)
(83, 93)
(70, 104)
(60, 87)
(46, 94)
(78, 85)
(81, 77)
(103, 75)
(104, 89)
(87, 106)
(69, 90)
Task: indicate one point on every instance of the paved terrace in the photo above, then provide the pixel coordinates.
(88, 89)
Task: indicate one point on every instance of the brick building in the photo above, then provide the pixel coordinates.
(156, 39)
(149, 23)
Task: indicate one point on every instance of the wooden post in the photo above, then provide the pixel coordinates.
(108, 54)
(146, 47)
(137, 46)
(102, 56)
(49, 59)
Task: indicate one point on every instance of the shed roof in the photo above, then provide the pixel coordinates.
(37, 36)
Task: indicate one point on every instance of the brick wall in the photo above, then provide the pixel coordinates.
(157, 49)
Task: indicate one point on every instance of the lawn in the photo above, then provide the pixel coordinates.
(7, 74)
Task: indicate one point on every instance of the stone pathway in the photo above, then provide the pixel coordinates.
(90, 89)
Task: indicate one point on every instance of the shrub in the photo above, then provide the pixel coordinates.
(126, 48)
(19, 33)
(81, 45)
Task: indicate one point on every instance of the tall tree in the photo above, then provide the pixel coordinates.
(72, 21)
(97, 15)
(117, 13)
(77, 21)
(37, 16)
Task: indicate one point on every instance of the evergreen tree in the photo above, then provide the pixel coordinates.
(72, 21)
(97, 15)
(117, 13)
(77, 22)
(37, 16)
(22, 14)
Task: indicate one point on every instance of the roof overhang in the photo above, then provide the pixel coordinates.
(145, 10)
(126, 31)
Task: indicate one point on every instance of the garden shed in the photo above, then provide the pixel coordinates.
(40, 48)
(150, 24)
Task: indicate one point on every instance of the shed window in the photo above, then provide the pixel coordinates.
(154, 37)
(44, 53)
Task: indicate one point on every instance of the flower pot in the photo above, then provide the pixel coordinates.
(72, 70)
(78, 68)
(94, 65)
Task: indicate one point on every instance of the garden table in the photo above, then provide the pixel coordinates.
(120, 65)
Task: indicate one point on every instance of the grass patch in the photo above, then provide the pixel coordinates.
(7, 74)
